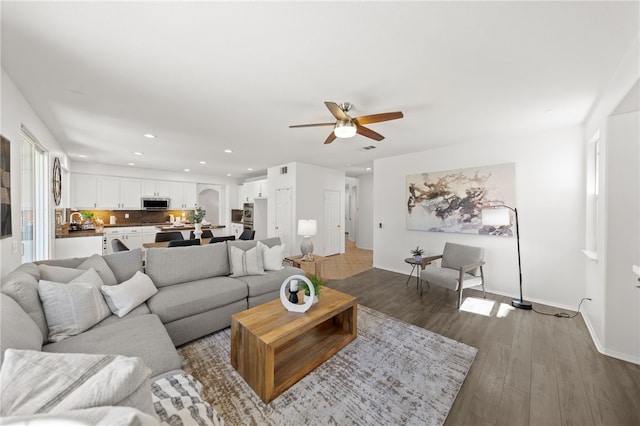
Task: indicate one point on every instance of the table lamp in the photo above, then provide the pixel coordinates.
(307, 228)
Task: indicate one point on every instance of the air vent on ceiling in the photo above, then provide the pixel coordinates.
(367, 148)
(283, 170)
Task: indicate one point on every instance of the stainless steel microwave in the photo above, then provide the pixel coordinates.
(156, 203)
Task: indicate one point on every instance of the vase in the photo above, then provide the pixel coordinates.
(315, 299)
(198, 231)
(418, 257)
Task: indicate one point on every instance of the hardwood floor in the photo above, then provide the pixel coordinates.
(530, 369)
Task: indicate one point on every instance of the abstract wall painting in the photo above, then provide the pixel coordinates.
(452, 201)
(5, 187)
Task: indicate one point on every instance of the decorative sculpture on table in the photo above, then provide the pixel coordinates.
(284, 289)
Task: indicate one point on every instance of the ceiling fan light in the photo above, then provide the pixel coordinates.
(344, 129)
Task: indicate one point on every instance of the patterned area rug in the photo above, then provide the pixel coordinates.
(392, 373)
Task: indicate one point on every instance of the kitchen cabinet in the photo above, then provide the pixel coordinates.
(156, 188)
(77, 247)
(84, 190)
(252, 190)
(116, 193)
(131, 236)
(236, 229)
(183, 195)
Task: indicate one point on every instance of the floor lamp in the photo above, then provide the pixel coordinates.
(499, 216)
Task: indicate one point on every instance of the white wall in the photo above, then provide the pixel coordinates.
(550, 201)
(622, 304)
(600, 315)
(16, 112)
(311, 183)
(365, 212)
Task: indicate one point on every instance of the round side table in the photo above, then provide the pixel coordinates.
(417, 266)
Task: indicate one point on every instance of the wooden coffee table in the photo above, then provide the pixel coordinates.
(273, 348)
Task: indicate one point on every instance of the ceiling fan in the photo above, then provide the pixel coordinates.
(347, 127)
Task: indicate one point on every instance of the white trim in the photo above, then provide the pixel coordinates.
(591, 254)
(604, 351)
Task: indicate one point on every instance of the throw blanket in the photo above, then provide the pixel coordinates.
(178, 402)
(33, 382)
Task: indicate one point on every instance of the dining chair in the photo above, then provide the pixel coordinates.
(184, 243)
(222, 239)
(118, 245)
(169, 236)
(247, 235)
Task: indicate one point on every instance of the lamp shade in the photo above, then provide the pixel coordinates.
(307, 227)
(344, 129)
(496, 217)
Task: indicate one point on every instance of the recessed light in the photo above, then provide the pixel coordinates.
(203, 162)
(138, 153)
(348, 164)
(368, 168)
(132, 164)
(149, 135)
(228, 151)
(250, 169)
(82, 156)
(187, 170)
(228, 174)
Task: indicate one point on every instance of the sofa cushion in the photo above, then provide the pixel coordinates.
(64, 274)
(125, 264)
(184, 300)
(245, 262)
(39, 382)
(74, 307)
(123, 298)
(168, 266)
(17, 329)
(139, 310)
(23, 288)
(271, 281)
(143, 336)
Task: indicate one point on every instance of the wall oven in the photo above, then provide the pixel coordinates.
(247, 216)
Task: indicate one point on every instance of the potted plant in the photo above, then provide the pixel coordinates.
(317, 286)
(417, 254)
(87, 216)
(196, 217)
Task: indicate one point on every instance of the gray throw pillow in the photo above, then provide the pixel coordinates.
(247, 262)
(74, 307)
(61, 274)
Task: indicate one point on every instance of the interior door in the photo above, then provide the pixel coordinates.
(332, 229)
(283, 218)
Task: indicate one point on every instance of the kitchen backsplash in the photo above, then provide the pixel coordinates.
(135, 216)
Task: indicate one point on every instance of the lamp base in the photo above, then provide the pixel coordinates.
(306, 248)
(521, 304)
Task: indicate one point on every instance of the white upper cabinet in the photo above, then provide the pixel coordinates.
(156, 188)
(116, 193)
(249, 191)
(84, 190)
(183, 195)
(260, 189)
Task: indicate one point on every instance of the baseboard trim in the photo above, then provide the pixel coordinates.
(602, 349)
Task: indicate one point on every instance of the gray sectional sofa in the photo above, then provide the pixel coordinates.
(196, 296)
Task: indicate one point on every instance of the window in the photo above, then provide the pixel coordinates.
(593, 183)
(34, 199)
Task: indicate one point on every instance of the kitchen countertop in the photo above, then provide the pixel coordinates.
(123, 225)
(85, 233)
(187, 227)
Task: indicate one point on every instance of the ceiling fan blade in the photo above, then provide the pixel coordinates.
(330, 138)
(376, 118)
(368, 133)
(336, 111)
(312, 125)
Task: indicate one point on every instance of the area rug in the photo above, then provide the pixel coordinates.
(392, 373)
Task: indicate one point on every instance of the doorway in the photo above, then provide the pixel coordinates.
(332, 229)
(283, 218)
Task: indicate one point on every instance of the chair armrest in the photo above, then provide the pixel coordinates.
(431, 258)
(466, 268)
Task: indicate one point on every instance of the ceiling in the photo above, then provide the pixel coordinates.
(210, 76)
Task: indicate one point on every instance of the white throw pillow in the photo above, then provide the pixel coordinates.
(74, 307)
(123, 298)
(246, 262)
(272, 256)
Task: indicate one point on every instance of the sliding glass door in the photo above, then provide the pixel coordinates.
(34, 179)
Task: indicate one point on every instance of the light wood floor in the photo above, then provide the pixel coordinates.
(530, 369)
